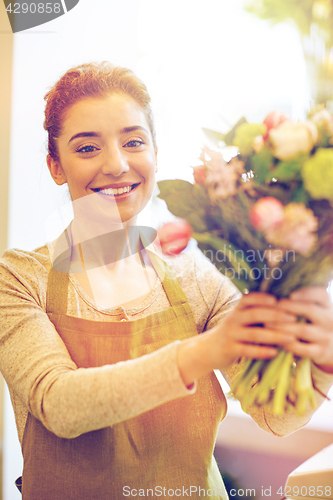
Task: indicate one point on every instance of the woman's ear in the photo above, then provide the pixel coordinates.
(56, 171)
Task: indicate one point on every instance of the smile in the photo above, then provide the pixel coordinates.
(116, 192)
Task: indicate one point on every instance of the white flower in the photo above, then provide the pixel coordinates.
(290, 139)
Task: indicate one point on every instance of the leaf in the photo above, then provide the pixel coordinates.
(287, 170)
(261, 163)
(229, 137)
(225, 252)
(214, 136)
(185, 200)
(300, 195)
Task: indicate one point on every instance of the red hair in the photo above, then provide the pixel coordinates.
(91, 80)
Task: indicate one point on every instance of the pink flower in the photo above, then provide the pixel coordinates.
(222, 178)
(266, 213)
(273, 120)
(212, 159)
(222, 183)
(297, 231)
(199, 174)
(174, 236)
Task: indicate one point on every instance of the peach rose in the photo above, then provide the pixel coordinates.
(290, 139)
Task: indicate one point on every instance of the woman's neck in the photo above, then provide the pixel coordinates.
(104, 248)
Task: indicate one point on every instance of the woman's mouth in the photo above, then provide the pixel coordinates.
(117, 191)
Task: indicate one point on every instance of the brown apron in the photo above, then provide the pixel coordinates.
(165, 452)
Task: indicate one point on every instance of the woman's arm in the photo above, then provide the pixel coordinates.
(237, 337)
(39, 371)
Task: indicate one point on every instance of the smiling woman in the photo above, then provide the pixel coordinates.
(112, 386)
(107, 139)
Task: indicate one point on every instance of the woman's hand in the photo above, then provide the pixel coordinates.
(313, 339)
(253, 329)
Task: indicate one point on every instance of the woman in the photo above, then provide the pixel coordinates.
(113, 390)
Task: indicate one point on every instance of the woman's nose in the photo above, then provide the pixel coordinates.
(115, 162)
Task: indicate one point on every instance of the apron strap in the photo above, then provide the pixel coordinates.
(57, 292)
(171, 285)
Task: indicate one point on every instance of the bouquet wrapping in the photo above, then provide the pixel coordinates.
(265, 219)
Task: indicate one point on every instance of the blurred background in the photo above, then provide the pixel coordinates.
(206, 64)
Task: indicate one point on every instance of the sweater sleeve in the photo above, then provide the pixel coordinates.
(36, 365)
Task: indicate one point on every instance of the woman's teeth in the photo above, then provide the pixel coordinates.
(115, 192)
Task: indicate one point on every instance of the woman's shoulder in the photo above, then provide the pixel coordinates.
(24, 263)
(16, 256)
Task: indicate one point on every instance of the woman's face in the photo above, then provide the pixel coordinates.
(106, 150)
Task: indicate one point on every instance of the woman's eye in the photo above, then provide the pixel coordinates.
(87, 149)
(134, 144)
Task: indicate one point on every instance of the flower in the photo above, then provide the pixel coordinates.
(222, 178)
(317, 173)
(323, 118)
(245, 136)
(324, 122)
(223, 182)
(296, 231)
(174, 236)
(290, 139)
(199, 174)
(266, 213)
(272, 246)
(211, 158)
(273, 120)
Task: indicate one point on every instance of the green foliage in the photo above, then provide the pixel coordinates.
(288, 170)
(297, 11)
(214, 136)
(245, 135)
(218, 137)
(227, 259)
(300, 195)
(261, 163)
(186, 200)
(317, 174)
(302, 13)
(229, 137)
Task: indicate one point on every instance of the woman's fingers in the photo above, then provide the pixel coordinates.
(256, 351)
(305, 332)
(311, 311)
(258, 335)
(257, 299)
(307, 350)
(313, 294)
(255, 315)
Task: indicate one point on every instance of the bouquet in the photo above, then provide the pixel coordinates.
(265, 219)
